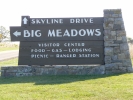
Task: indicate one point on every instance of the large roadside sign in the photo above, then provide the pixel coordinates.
(59, 41)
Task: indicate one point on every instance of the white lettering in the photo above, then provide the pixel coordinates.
(77, 20)
(32, 33)
(82, 32)
(48, 44)
(71, 20)
(89, 55)
(74, 44)
(38, 21)
(74, 32)
(81, 20)
(37, 34)
(98, 33)
(43, 20)
(66, 33)
(90, 32)
(86, 20)
(79, 49)
(56, 50)
(51, 34)
(58, 33)
(61, 21)
(91, 20)
(26, 33)
(37, 50)
(33, 21)
(39, 55)
(65, 55)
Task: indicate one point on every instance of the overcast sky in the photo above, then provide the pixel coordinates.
(12, 10)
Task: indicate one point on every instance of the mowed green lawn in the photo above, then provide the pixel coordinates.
(10, 62)
(102, 87)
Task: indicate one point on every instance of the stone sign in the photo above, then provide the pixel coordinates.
(116, 55)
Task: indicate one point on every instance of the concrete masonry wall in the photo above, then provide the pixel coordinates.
(116, 51)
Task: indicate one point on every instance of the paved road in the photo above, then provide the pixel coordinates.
(8, 54)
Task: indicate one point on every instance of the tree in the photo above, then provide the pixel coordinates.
(3, 33)
(130, 40)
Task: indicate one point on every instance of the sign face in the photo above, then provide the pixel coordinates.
(26, 20)
(61, 53)
(92, 32)
(59, 41)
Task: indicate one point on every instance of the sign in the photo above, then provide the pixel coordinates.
(59, 41)
(26, 20)
(93, 32)
(61, 53)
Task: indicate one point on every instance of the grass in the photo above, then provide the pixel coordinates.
(102, 87)
(8, 46)
(10, 62)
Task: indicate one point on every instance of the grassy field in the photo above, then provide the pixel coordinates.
(8, 46)
(103, 87)
(11, 62)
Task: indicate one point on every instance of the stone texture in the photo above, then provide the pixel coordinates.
(127, 54)
(124, 47)
(120, 15)
(121, 56)
(107, 43)
(130, 69)
(127, 63)
(106, 32)
(115, 37)
(114, 57)
(43, 70)
(124, 39)
(107, 59)
(116, 50)
(111, 66)
(119, 38)
(107, 15)
(110, 19)
(108, 25)
(117, 27)
(110, 36)
(115, 15)
(108, 51)
(122, 27)
(118, 21)
(121, 33)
